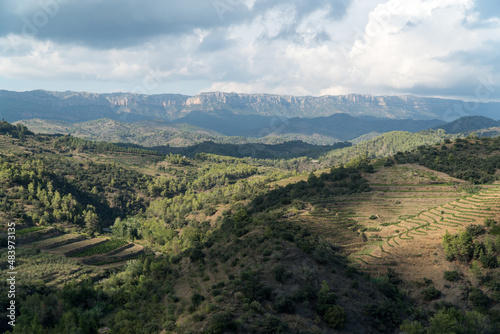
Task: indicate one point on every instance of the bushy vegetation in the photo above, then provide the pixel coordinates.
(470, 245)
(15, 131)
(385, 145)
(74, 143)
(339, 181)
(456, 159)
(226, 258)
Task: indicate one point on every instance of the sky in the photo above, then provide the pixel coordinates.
(442, 48)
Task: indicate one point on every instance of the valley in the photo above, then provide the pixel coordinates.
(211, 243)
(253, 167)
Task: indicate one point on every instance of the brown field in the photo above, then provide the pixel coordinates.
(412, 208)
(77, 246)
(58, 241)
(404, 215)
(398, 193)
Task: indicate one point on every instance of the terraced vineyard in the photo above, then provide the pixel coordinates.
(398, 194)
(56, 258)
(387, 225)
(431, 225)
(35, 266)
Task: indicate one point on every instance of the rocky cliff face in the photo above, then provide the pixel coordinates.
(73, 106)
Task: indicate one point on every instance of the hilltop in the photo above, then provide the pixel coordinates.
(469, 124)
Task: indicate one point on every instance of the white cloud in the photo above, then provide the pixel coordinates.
(377, 47)
(412, 44)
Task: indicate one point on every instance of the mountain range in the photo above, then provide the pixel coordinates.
(83, 106)
(340, 126)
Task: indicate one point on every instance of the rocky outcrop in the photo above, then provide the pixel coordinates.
(79, 107)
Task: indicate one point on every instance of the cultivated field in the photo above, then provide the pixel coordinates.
(57, 241)
(398, 193)
(62, 258)
(78, 246)
(402, 218)
(38, 268)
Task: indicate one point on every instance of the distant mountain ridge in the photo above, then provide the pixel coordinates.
(226, 127)
(340, 126)
(468, 124)
(81, 107)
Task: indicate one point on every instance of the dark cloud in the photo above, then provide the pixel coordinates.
(216, 41)
(120, 23)
(484, 56)
(478, 90)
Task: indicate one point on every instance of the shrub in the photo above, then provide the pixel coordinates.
(412, 327)
(488, 222)
(220, 323)
(450, 276)
(430, 293)
(267, 252)
(458, 246)
(281, 273)
(273, 325)
(496, 296)
(474, 229)
(197, 255)
(389, 163)
(335, 316)
(326, 298)
(478, 299)
(385, 315)
(197, 299)
(252, 286)
(285, 304)
(476, 269)
(489, 261)
(495, 230)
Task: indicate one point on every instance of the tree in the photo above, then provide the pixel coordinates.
(91, 219)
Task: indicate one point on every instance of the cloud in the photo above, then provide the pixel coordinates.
(301, 47)
(423, 44)
(118, 24)
(112, 23)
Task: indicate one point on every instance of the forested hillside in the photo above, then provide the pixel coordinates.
(143, 242)
(385, 145)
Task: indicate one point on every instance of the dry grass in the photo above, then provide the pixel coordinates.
(77, 246)
(58, 241)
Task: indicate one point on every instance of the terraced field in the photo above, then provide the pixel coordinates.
(117, 256)
(38, 268)
(77, 246)
(58, 241)
(397, 197)
(431, 224)
(49, 261)
(94, 251)
(404, 215)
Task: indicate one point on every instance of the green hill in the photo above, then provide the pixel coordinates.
(385, 145)
(468, 124)
(212, 244)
